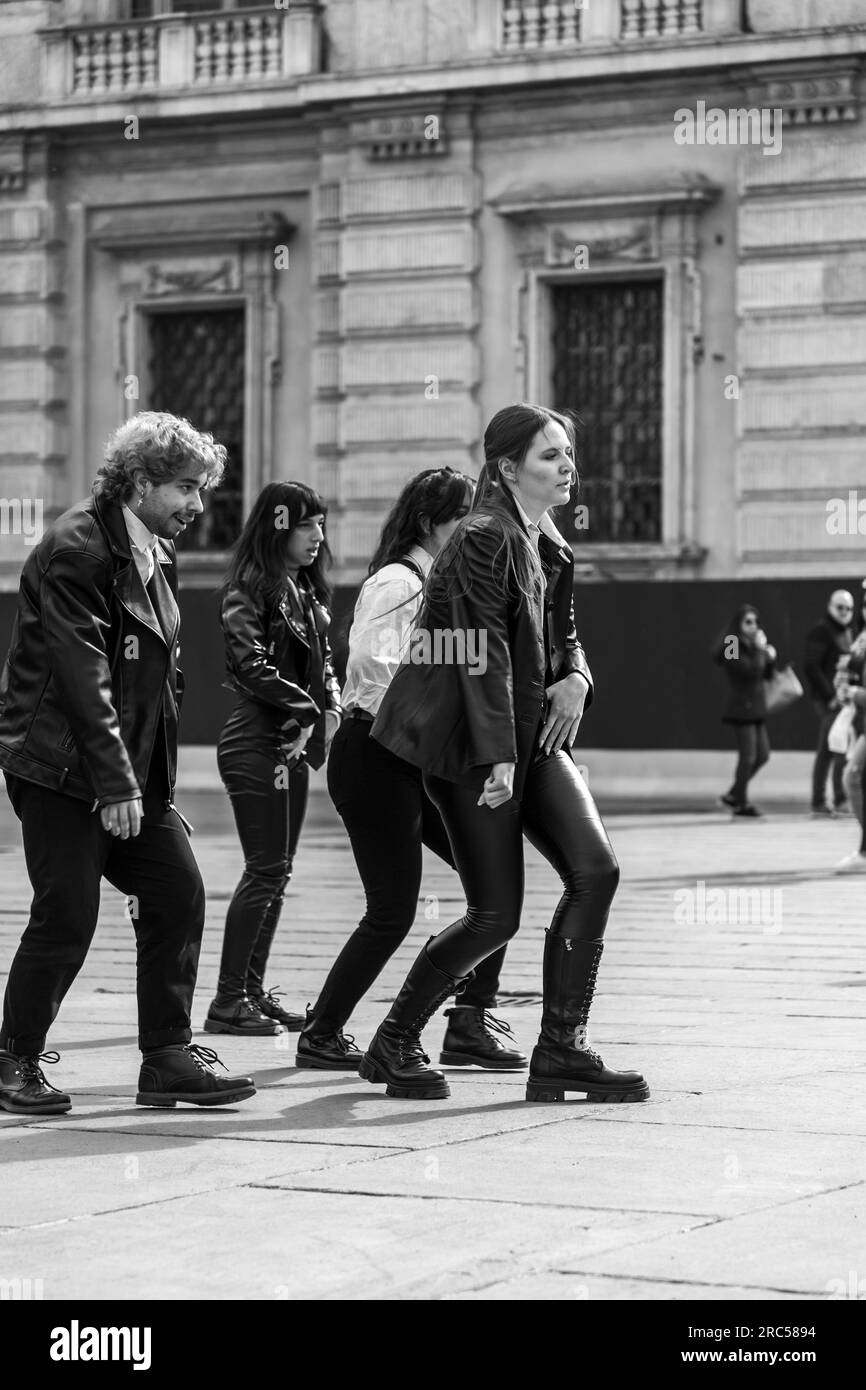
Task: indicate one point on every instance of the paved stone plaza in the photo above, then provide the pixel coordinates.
(742, 1177)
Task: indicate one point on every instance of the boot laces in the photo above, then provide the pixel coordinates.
(411, 1049)
(32, 1070)
(204, 1057)
(491, 1024)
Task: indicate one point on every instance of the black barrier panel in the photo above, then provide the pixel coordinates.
(648, 645)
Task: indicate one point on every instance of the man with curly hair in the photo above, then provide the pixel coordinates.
(89, 703)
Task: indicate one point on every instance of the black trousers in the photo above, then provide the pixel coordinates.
(269, 809)
(68, 853)
(753, 748)
(388, 817)
(559, 817)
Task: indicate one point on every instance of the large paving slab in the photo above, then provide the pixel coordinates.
(741, 1179)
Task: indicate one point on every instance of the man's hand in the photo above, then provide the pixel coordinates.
(122, 818)
(499, 786)
(564, 712)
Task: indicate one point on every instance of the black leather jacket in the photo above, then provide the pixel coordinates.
(281, 666)
(444, 719)
(90, 667)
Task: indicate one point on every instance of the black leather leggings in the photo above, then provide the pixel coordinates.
(559, 817)
(388, 817)
(269, 818)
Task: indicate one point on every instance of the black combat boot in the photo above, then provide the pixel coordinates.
(561, 1060)
(323, 1046)
(395, 1056)
(474, 1038)
(238, 1013)
(23, 1088)
(185, 1071)
(269, 1004)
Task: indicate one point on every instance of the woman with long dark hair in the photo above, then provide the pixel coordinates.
(748, 661)
(275, 621)
(495, 753)
(381, 798)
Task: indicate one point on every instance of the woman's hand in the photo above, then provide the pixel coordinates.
(499, 786)
(566, 700)
(770, 650)
(297, 745)
(332, 724)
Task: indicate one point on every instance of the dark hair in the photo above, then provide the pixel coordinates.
(509, 435)
(733, 627)
(259, 558)
(163, 446)
(437, 494)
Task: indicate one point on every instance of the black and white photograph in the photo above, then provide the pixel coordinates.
(433, 646)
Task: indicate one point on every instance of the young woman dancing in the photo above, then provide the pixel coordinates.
(495, 751)
(380, 797)
(275, 622)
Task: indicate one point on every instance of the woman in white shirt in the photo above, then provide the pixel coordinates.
(382, 801)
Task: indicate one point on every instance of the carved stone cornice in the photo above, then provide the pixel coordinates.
(808, 96)
(128, 230)
(542, 201)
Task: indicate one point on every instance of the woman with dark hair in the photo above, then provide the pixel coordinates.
(381, 799)
(495, 753)
(748, 661)
(275, 621)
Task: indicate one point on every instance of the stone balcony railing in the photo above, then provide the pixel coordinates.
(182, 51)
(534, 24)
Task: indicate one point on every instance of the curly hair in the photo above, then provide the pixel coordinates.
(163, 446)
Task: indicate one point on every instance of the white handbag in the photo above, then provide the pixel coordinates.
(841, 732)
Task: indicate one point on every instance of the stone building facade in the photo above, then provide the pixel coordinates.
(343, 234)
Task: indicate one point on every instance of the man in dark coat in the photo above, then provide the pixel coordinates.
(825, 643)
(89, 701)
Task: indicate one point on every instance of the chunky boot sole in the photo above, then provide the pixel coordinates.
(555, 1090)
(167, 1100)
(54, 1107)
(320, 1064)
(469, 1059)
(433, 1090)
(294, 1025)
(213, 1025)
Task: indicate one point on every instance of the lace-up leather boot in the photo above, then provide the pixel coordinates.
(324, 1047)
(23, 1088)
(561, 1060)
(185, 1072)
(474, 1037)
(268, 1003)
(395, 1056)
(241, 1015)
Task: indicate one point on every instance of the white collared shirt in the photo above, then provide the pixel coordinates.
(144, 544)
(533, 529)
(386, 608)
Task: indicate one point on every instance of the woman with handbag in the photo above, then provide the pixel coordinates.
(495, 754)
(380, 797)
(275, 621)
(748, 661)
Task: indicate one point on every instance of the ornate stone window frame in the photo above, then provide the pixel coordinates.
(628, 234)
(189, 262)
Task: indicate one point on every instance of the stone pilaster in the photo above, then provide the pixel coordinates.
(396, 363)
(33, 390)
(802, 333)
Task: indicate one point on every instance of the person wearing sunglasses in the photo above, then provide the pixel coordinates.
(825, 643)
